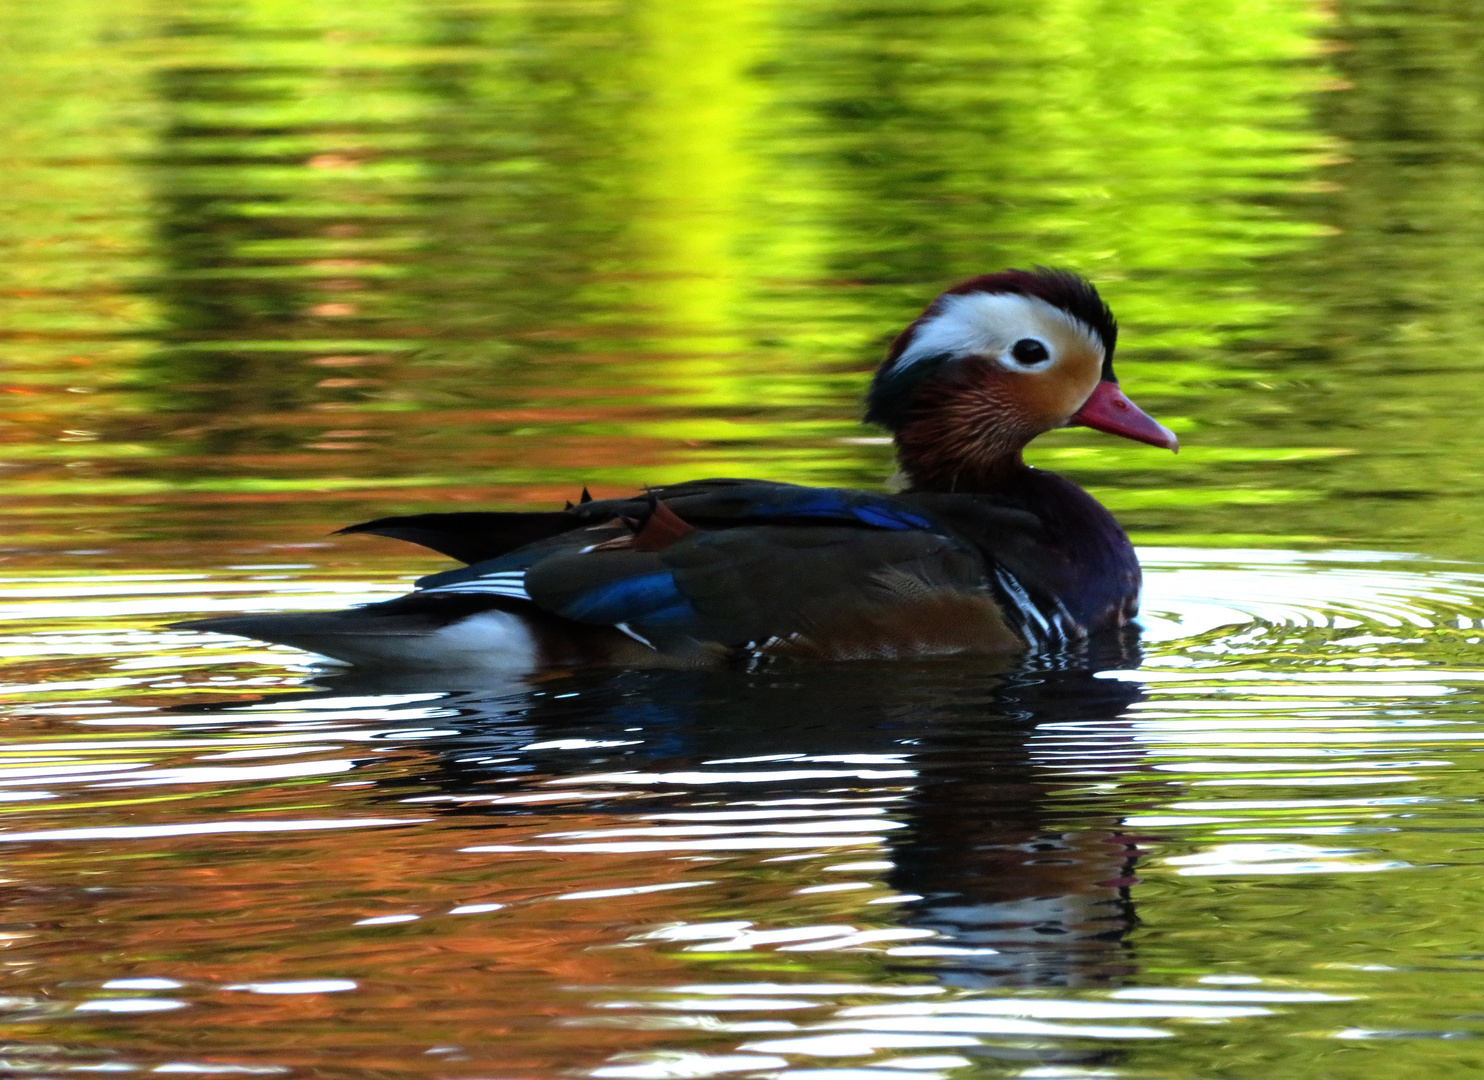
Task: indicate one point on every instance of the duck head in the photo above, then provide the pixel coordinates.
(991, 364)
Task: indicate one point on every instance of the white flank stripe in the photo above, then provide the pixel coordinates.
(641, 640)
(509, 583)
(490, 589)
(1028, 610)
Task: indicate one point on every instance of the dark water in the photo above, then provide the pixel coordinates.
(270, 268)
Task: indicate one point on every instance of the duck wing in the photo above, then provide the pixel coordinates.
(478, 536)
(694, 572)
(719, 567)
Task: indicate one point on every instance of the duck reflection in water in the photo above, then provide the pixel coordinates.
(1015, 841)
(1008, 783)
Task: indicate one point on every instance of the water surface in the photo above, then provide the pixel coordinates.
(273, 268)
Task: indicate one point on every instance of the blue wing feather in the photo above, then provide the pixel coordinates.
(890, 517)
(652, 599)
(780, 502)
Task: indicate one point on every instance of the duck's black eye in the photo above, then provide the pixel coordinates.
(1029, 351)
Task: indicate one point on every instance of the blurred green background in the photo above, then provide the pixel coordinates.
(275, 266)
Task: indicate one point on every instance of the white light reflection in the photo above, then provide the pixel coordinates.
(698, 931)
(58, 687)
(723, 843)
(1179, 587)
(580, 744)
(753, 815)
(810, 826)
(857, 1045)
(203, 828)
(1169, 993)
(1057, 1009)
(1158, 712)
(1341, 690)
(91, 579)
(841, 759)
(790, 989)
(356, 705)
(160, 661)
(635, 890)
(1223, 733)
(308, 596)
(864, 937)
(678, 1065)
(305, 986)
(1377, 1033)
(274, 737)
(696, 778)
(1346, 762)
(932, 1061)
(59, 770)
(1299, 678)
(222, 1070)
(1304, 804)
(1308, 781)
(928, 1061)
(268, 751)
(876, 1071)
(102, 1067)
(740, 936)
(226, 774)
(130, 1005)
(813, 832)
(839, 886)
(973, 1025)
(729, 1004)
(938, 950)
(751, 939)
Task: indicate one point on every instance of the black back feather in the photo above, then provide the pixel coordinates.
(471, 537)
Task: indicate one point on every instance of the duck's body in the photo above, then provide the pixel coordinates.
(980, 554)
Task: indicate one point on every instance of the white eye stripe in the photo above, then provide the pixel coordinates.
(989, 324)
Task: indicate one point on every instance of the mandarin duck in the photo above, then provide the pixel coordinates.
(977, 553)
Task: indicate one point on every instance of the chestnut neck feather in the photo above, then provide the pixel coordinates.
(963, 433)
(974, 479)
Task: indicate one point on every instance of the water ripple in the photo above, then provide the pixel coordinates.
(931, 863)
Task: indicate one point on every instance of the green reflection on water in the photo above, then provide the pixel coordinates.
(506, 248)
(511, 247)
(272, 267)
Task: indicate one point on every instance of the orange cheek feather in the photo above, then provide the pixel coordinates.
(1048, 399)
